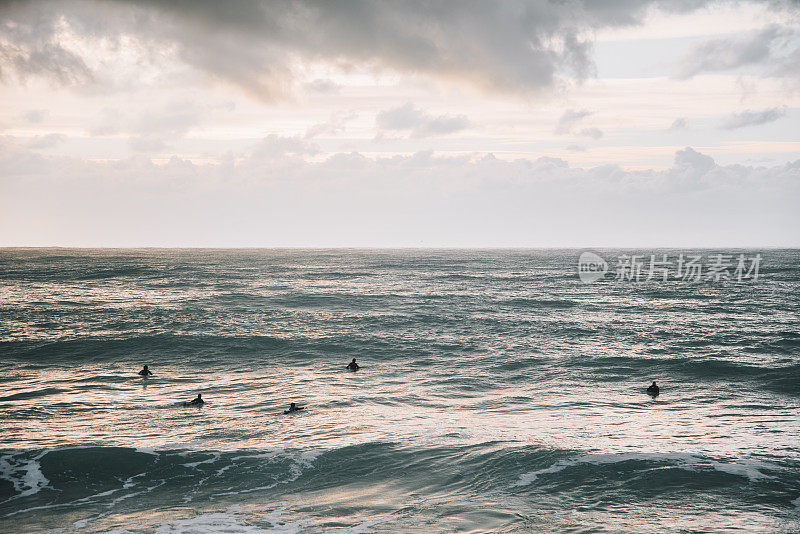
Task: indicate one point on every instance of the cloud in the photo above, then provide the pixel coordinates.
(171, 120)
(420, 123)
(442, 125)
(732, 52)
(35, 116)
(174, 119)
(753, 118)
(594, 133)
(788, 65)
(403, 117)
(323, 86)
(568, 119)
(335, 125)
(273, 195)
(147, 144)
(693, 163)
(505, 45)
(30, 45)
(40, 142)
(275, 146)
(679, 124)
(108, 122)
(576, 148)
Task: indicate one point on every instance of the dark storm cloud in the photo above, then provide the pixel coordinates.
(513, 45)
(28, 47)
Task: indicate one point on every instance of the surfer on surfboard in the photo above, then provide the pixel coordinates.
(196, 402)
(353, 366)
(294, 408)
(145, 372)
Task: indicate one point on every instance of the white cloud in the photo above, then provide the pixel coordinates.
(275, 147)
(41, 142)
(272, 195)
(692, 163)
(335, 125)
(594, 133)
(171, 120)
(568, 119)
(147, 144)
(174, 119)
(323, 86)
(419, 123)
(35, 116)
(108, 122)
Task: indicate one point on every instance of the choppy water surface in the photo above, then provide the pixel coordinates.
(497, 393)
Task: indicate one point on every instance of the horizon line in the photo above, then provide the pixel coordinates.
(401, 247)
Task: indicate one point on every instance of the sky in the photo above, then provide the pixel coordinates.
(620, 123)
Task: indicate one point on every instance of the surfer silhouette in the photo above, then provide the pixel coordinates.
(145, 371)
(353, 366)
(195, 402)
(653, 389)
(294, 408)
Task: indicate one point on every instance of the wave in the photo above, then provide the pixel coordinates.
(766, 372)
(699, 367)
(539, 303)
(80, 476)
(26, 395)
(111, 349)
(83, 476)
(625, 465)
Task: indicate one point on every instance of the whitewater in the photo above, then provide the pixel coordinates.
(498, 392)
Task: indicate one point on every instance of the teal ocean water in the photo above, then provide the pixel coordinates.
(498, 393)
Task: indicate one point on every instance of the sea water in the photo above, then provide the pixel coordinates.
(497, 393)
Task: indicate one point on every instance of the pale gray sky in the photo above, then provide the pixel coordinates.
(301, 123)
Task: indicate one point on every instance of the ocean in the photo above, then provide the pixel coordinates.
(498, 392)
